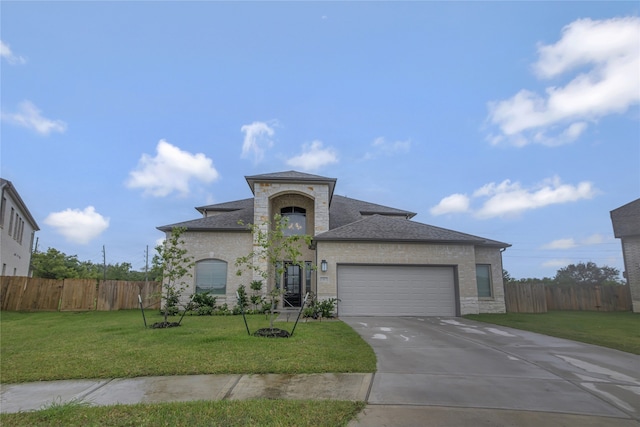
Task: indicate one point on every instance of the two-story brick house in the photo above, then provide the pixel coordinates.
(373, 258)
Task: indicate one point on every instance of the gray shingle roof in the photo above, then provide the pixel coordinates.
(626, 220)
(226, 220)
(386, 228)
(349, 219)
(227, 206)
(344, 210)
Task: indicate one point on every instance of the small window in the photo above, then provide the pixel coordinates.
(483, 280)
(297, 220)
(3, 207)
(211, 276)
(11, 222)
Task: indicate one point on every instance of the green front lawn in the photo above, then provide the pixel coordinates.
(51, 346)
(281, 413)
(618, 330)
(54, 346)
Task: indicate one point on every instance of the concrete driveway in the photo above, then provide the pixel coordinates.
(453, 371)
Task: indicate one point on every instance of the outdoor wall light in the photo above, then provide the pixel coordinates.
(323, 265)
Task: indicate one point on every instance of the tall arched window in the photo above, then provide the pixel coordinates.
(297, 220)
(211, 276)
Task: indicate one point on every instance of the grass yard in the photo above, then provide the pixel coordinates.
(618, 330)
(281, 413)
(53, 346)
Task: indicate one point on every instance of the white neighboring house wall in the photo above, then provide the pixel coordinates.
(17, 232)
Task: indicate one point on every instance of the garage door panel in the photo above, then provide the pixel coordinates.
(396, 291)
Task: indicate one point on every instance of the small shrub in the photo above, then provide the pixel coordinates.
(327, 307)
(223, 310)
(203, 304)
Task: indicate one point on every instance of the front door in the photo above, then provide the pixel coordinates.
(292, 285)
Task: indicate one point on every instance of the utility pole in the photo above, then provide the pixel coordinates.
(146, 265)
(104, 263)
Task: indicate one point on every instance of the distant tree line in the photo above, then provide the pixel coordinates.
(581, 274)
(54, 264)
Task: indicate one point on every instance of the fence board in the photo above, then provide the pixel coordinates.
(37, 294)
(41, 295)
(78, 295)
(123, 295)
(538, 298)
(525, 298)
(12, 289)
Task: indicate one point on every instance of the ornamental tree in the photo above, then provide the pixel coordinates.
(172, 259)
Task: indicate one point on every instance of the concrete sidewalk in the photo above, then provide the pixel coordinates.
(35, 396)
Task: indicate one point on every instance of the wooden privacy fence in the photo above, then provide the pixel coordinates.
(538, 298)
(36, 294)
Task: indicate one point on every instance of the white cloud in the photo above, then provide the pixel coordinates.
(511, 198)
(455, 203)
(256, 140)
(609, 50)
(380, 146)
(570, 243)
(313, 157)
(594, 239)
(9, 56)
(171, 170)
(28, 116)
(78, 226)
(561, 244)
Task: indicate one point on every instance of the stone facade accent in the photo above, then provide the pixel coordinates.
(271, 197)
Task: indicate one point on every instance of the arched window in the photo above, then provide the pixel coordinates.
(297, 218)
(211, 276)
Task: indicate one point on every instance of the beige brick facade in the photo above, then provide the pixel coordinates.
(224, 246)
(463, 257)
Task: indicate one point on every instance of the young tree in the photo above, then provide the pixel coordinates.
(587, 274)
(173, 260)
(272, 246)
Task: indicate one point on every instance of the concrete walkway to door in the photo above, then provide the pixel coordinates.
(457, 372)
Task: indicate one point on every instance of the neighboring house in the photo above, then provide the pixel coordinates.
(18, 229)
(626, 227)
(373, 258)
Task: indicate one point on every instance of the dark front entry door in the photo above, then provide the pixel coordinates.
(292, 285)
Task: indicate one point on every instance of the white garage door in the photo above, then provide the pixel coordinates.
(366, 290)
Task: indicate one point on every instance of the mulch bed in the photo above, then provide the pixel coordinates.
(160, 325)
(271, 333)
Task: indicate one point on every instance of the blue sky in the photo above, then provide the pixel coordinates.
(515, 121)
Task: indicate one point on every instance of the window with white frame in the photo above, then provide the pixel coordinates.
(211, 276)
(483, 280)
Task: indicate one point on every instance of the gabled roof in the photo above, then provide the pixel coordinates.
(344, 210)
(626, 219)
(227, 206)
(7, 186)
(227, 220)
(292, 177)
(385, 228)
